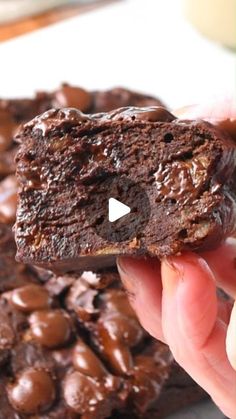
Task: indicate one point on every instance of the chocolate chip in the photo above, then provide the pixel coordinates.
(116, 300)
(85, 361)
(50, 328)
(30, 298)
(85, 395)
(32, 392)
(122, 328)
(72, 97)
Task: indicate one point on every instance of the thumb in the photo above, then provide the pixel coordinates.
(231, 338)
(193, 330)
(189, 300)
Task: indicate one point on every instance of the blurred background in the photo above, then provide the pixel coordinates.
(180, 50)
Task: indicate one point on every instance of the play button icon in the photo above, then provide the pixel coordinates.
(116, 210)
(119, 209)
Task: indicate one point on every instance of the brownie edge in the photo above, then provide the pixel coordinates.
(67, 159)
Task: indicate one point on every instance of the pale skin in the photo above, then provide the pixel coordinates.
(176, 300)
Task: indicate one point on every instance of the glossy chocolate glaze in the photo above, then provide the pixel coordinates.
(58, 119)
(17, 111)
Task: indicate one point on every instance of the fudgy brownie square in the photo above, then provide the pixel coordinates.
(178, 178)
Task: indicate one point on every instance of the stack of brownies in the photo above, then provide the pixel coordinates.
(70, 344)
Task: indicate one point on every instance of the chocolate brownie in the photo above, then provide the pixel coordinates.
(69, 164)
(68, 340)
(76, 350)
(16, 111)
(52, 361)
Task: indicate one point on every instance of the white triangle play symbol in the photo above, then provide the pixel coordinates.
(116, 209)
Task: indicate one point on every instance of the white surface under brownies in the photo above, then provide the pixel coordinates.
(144, 45)
(12, 9)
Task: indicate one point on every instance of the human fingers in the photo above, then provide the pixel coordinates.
(193, 330)
(142, 281)
(231, 338)
(222, 262)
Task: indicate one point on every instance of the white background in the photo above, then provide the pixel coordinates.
(142, 44)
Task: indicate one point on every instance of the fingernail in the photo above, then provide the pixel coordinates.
(128, 278)
(172, 272)
(231, 338)
(174, 268)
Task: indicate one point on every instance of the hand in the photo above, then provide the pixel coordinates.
(176, 302)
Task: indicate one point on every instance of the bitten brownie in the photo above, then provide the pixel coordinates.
(16, 111)
(68, 161)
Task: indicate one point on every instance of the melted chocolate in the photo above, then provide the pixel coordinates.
(55, 119)
(148, 114)
(183, 180)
